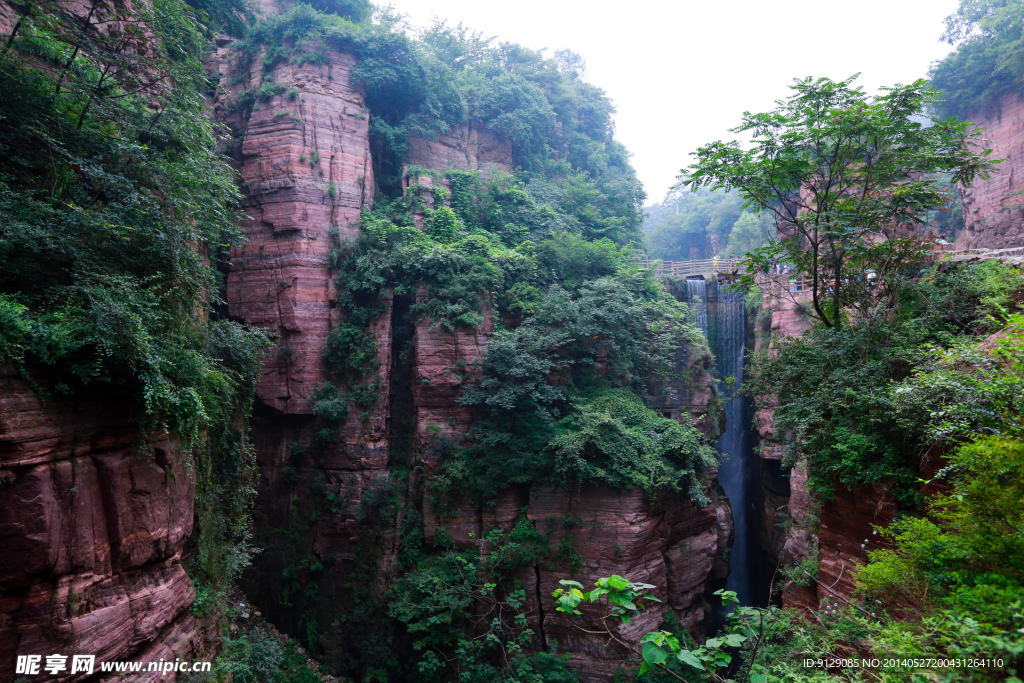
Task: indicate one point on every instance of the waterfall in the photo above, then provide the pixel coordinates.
(720, 313)
(728, 342)
(697, 298)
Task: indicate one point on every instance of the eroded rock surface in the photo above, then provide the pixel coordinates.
(993, 208)
(469, 146)
(307, 175)
(93, 521)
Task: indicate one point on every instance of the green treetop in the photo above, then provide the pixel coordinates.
(845, 176)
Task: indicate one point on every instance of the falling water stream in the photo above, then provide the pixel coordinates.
(728, 342)
(721, 315)
(697, 297)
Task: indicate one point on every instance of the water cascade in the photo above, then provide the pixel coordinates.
(735, 474)
(697, 297)
(721, 315)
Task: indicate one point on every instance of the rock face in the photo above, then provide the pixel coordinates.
(468, 147)
(92, 525)
(669, 543)
(836, 534)
(329, 510)
(306, 173)
(993, 211)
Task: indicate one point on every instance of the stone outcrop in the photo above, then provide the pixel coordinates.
(306, 173)
(837, 533)
(670, 543)
(993, 208)
(93, 522)
(470, 146)
(787, 530)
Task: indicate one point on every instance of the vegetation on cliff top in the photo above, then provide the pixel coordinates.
(846, 178)
(688, 225)
(575, 319)
(113, 206)
(988, 62)
(556, 123)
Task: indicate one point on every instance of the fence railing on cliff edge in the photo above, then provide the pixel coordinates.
(692, 267)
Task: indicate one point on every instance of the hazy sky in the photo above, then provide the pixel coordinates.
(682, 73)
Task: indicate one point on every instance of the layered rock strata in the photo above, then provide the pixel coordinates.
(304, 159)
(93, 521)
(469, 146)
(994, 208)
(326, 511)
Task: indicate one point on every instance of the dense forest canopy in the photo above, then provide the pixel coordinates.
(702, 224)
(988, 62)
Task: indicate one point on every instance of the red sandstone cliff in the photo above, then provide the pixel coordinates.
(994, 208)
(325, 508)
(305, 167)
(837, 533)
(92, 529)
(470, 146)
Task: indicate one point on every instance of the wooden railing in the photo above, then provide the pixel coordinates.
(692, 267)
(775, 284)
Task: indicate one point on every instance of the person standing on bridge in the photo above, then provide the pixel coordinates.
(714, 263)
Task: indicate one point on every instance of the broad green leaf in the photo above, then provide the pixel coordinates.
(654, 654)
(734, 640)
(687, 657)
(618, 583)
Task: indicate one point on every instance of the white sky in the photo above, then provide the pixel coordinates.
(681, 73)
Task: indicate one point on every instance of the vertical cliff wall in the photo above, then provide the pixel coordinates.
(994, 208)
(798, 529)
(305, 169)
(333, 508)
(93, 523)
(469, 146)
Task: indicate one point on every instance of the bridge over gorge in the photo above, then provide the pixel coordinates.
(693, 267)
(724, 268)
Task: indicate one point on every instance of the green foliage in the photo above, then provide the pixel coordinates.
(259, 656)
(353, 10)
(860, 403)
(103, 201)
(988, 62)
(555, 123)
(626, 326)
(682, 226)
(837, 170)
(517, 110)
(226, 16)
(443, 225)
(616, 439)
(464, 613)
(114, 203)
(969, 551)
(329, 404)
(620, 599)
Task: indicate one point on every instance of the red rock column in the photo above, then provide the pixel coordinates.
(306, 171)
(993, 210)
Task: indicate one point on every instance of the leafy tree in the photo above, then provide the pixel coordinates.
(229, 16)
(988, 62)
(457, 46)
(619, 600)
(857, 402)
(844, 176)
(686, 224)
